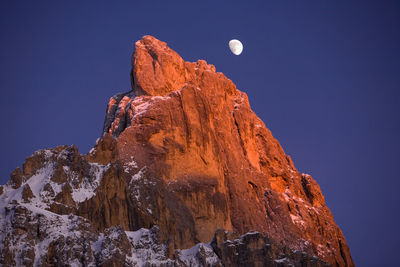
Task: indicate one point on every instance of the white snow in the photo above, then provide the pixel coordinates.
(144, 249)
(137, 176)
(92, 151)
(296, 219)
(286, 197)
(299, 199)
(87, 189)
(140, 107)
(38, 181)
(159, 97)
(322, 250)
(53, 225)
(46, 152)
(188, 256)
(135, 236)
(149, 210)
(283, 260)
(70, 228)
(129, 166)
(133, 184)
(43, 198)
(145, 252)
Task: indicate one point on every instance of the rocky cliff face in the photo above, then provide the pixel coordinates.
(183, 155)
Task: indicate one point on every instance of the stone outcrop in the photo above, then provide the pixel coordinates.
(182, 154)
(196, 131)
(258, 250)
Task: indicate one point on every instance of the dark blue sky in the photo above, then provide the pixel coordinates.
(323, 75)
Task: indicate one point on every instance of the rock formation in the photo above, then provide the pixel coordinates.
(183, 155)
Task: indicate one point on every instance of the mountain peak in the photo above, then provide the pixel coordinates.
(159, 70)
(183, 155)
(195, 130)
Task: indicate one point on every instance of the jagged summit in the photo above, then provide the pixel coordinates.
(158, 70)
(184, 155)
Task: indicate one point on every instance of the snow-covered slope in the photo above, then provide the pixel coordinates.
(32, 233)
(44, 219)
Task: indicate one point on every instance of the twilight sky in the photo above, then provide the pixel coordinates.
(323, 75)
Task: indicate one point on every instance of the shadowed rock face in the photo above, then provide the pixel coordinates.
(254, 249)
(183, 154)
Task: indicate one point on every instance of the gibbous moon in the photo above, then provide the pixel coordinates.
(236, 46)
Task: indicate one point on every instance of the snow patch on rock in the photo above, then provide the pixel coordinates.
(87, 189)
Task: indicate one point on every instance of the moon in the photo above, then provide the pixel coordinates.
(236, 46)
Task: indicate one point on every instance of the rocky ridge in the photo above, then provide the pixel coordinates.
(182, 155)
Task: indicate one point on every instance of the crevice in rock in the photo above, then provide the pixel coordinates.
(114, 112)
(185, 121)
(253, 185)
(240, 135)
(304, 184)
(342, 253)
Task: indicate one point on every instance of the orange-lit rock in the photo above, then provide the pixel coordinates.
(196, 132)
(183, 155)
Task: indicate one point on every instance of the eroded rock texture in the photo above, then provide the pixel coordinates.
(196, 131)
(182, 154)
